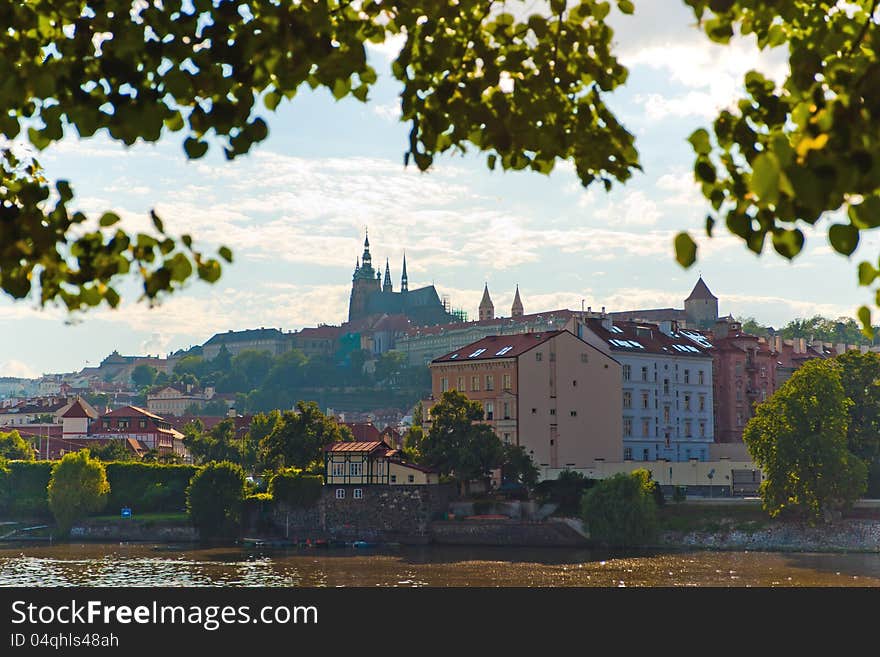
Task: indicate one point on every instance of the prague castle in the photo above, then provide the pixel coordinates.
(371, 295)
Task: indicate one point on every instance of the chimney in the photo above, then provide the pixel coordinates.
(666, 327)
(721, 329)
(607, 323)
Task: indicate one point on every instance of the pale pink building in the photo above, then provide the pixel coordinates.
(551, 392)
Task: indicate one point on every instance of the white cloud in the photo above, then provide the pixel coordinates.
(388, 111)
(16, 368)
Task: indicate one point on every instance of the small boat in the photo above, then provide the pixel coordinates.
(362, 544)
(320, 543)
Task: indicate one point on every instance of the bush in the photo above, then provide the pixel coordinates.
(678, 494)
(566, 490)
(148, 487)
(214, 499)
(23, 490)
(78, 486)
(296, 488)
(621, 510)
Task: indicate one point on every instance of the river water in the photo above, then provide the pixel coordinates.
(139, 564)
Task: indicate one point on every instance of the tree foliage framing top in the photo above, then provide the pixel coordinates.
(525, 88)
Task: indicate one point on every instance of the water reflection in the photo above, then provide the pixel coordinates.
(150, 565)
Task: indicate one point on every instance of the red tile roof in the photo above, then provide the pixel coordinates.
(81, 408)
(562, 314)
(701, 291)
(642, 337)
(498, 346)
(363, 431)
(128, 411)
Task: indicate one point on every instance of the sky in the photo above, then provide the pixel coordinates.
(294, 211)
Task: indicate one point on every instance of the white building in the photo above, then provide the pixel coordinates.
(666, 387)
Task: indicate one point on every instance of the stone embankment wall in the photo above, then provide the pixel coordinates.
(506, 533)
(134, 531)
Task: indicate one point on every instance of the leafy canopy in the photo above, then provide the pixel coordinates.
(798, 438)
(78, 486)
(525, 85)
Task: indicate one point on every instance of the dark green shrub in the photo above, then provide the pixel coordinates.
(214, 499)
(566, 491)
(78, 487)
(24, 490)
(621, 510)
(678, 494)
(296, 488)
(148, 487)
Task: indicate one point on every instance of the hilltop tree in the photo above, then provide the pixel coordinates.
(524, 85)
(798, 438)
(458, 442)
(143, 375)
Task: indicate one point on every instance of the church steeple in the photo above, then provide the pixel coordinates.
(404, 281)
(386, 285)
(487, 308)
(367, 258)
(516, 310)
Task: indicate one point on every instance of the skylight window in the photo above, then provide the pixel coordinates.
(633, 343)
(453, 357)
(503, 351)
(616, 329)
(476, 353)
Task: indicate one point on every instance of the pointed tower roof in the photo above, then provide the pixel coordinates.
(486, 300)
(487, 308)
(701, 291)
(404, 281)
(386, 284)
(516, 310)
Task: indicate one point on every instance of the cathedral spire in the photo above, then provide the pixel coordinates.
(367, 258)
(487, 308)
(516, 309)
(386, 285)
(404, 281)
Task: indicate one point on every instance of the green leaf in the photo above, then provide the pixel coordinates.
(764, 182)
(720, 6)
(867, 273)
(157, 222)
(864, 315)
(699, 139)
(788, 243)
(271, 100)
(625, 6)
(194, 148)
(844, 238)
(685, 250)
(108, 219)
(225, 253)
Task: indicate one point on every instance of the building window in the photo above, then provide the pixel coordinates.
(339, 469)
(644, 374)
(358, 493)
(355, 469)
(584, 357)
(475, 383)
(702, 429)
(506, 381)
(739, 369)
(506, 410)
(687, 429)
(534, 411)
(507, 439)
(645, 454)
(552, 411)
(627, 399)
(393, 479)
(539, 356)
(123, 424)
(574, 413)
(739, 419)
(410, 478)
(702, 402)
(574, 383)
(627, 372)
(142, 424)
(665, 386)
(687, 376)
(700, 377)
(646, 428)
(646, 399)
(444, 384)
(340, 493)
(627, 426)
(490, 382)
(627, 454)
(490, 410)
(460, 385)
(687, 402)
(666, 414)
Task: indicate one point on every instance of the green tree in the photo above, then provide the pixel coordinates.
(78, 486)
(253, 366)
(299, 437)
(517, 466)
(621, 510)
(525, 85)
(143, 375)
(798, 438)
(860, 377)
(214, 499)
(458, 442)
(412, 442)
(14, 447)
(751, 326)
(114, 450)
(218, 444)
